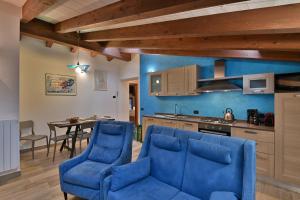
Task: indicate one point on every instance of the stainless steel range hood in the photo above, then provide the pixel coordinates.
(219, 83)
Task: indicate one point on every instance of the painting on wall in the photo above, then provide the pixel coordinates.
(100, 80)
(60, 85)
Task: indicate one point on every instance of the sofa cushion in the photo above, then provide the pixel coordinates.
(86, 174)
(104, 154)
(146, 189)
(203, 176)
(213, 152)
(112, 129)
(184, 196)
(166, 142)
(223, 196)
(167, 165)
(127, 174)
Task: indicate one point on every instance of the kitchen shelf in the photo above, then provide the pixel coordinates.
(220, 79)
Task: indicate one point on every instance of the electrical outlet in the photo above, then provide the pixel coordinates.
(196, 112)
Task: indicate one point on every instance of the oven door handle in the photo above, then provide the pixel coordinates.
(212, 132)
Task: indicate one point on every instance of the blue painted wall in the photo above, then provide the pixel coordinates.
(209, 104)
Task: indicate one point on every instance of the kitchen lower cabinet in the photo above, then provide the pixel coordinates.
(147, 121)
(190, 126)
(264, 148)
(287, 137)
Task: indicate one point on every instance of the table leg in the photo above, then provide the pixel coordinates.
(74, 141)
(64, 142)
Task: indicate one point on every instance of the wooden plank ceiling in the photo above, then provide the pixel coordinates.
(255, 29)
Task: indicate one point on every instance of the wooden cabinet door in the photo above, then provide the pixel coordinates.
(287, 137)
(169, 123)
(146, 123)
(189, 126)
(175, 82)
(191, 76)
(264, 148)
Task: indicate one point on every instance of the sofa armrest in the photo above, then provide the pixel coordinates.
(125, 175)
(106, 186)
(220, 195)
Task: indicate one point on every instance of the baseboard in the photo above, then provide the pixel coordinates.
(271, 181)
(7, 177)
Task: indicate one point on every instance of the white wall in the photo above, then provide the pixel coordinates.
(127, 72)
(9, 61)
(36, 60)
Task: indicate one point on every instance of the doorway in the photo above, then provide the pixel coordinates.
(133, 102)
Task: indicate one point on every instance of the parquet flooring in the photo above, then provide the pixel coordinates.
(40, 181)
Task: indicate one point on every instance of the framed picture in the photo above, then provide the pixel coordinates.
(100, 80)
(60, 85)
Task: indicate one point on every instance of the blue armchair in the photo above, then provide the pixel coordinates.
(183, 165)
(111, 145)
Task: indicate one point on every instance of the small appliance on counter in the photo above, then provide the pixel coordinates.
(228, 115)
(269, 119)
(253, 116)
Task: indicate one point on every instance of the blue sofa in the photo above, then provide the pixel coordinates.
(111, 145)
(183, 165)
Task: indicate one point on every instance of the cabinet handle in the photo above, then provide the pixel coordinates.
(250, 132)
(297, 95)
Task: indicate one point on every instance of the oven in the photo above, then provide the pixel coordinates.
(259, 84)
(216, 129)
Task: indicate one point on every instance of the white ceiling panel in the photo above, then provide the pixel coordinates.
(66, 9)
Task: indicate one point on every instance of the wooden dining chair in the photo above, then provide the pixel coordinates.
(32, 137)
(85, 133)
(56, 138)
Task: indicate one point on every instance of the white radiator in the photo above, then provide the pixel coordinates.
(9, 146)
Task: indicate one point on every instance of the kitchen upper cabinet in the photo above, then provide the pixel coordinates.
(287, 137)
(156, 84)
(175, 81)
(191, 79)
(181, 81)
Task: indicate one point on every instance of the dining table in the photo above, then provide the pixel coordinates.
(69, 125)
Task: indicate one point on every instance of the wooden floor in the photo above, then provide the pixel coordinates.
(40, 181)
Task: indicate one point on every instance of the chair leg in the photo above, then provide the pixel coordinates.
(32, 148)
(66, 196)
(88, 140)
(55, 143)
(47, 145)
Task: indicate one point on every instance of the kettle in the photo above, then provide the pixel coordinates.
(228, 115)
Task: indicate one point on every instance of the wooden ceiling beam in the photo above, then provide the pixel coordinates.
(32, 8)
(45, 31)
(279, 19)
(236, 54)
(279, 42)
(132, 10)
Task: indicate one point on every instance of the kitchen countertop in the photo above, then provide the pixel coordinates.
(198, 119)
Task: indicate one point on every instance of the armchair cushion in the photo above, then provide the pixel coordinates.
(112, 129)
(104, 154)
(130, 173)
(146, 189)
(85, 174)
(223, 196)
(166, 142)
(213, 152)
(184, 196)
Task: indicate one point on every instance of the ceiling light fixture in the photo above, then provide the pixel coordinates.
(79, 67)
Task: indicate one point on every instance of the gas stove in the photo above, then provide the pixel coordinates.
(215, 126)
